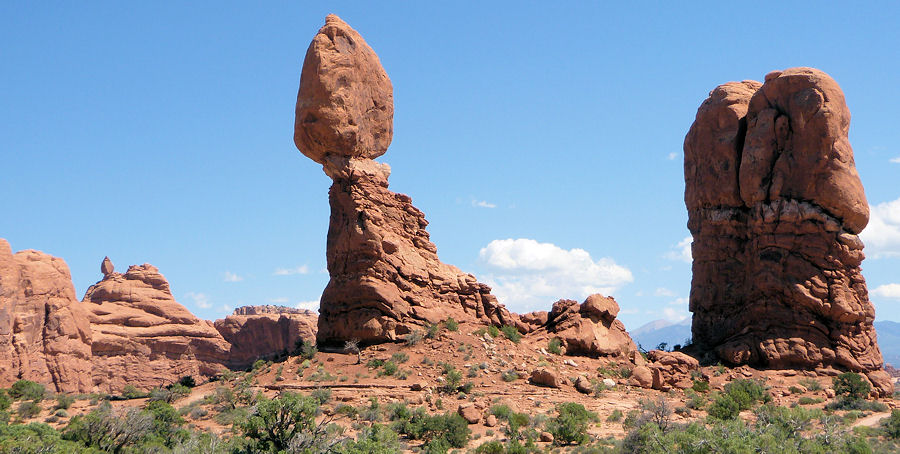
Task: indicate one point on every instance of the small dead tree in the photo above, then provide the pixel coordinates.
(352, 346)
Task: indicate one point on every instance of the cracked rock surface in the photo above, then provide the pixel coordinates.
(386, 278)
(775, 205)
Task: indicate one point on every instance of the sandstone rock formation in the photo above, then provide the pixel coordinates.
(143, 337)
(589, 329)
(107, 267)
(44, 331)
(256, 332)
(671, 369)
(386, 278)
(775, 206)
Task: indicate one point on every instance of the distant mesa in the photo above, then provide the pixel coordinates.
(255, 332)
(386, 278)
(775, 205)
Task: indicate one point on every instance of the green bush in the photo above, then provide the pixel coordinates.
(501, 411)
(321, 395)
(110, 431)
(5, 400)
(451, 324)
(724, 407)
(746, 393)
(805, 400)
(400, 357)
(438, 431)
(892, 425)
(511, 333)
(555, 346)
(493, 331)
(277, 421)
(701, 386)
(388, 368)
(166, 423)
(452, 379)
(36, 438)
(27, 390)
(851, 385)
(131, 392)
(615, 416)
(432, 330)
(308, 350)
(258, 364)
(571, 423)
(810, 384)
(187, 381)
(28, 409)
(491, 447)
(64, 401)
(413, 338)
(377, 439)
(509, 375)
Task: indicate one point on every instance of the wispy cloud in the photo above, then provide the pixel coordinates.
(896, 160)
(201, 300)
(672, 156)
(677, 310)
(682, 251)
(662, 291)
(529, 275)
(882, 235)
(483, 204)
(279, 300)
(232, 277)
(303, 269)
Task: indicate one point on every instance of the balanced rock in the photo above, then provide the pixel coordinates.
(386, 278)
(107, 267)
(256, 332)
(589, 329)
(143, 337)
(45, 335)
(775, 205)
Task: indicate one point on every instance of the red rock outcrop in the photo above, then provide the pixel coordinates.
(589, 329)
(45, 335)
(775, 206)
(386, 278)
(143, 337)
(256, 332)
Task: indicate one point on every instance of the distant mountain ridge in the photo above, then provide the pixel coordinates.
(651, 334)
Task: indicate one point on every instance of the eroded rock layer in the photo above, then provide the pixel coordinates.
(775, 206)
(143, 337)
(589, 329)
(386, 278)
(45, 335)
(259, 332)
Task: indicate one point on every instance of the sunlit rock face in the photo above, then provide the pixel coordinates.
(775, 205)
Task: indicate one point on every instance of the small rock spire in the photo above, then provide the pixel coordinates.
(107, 267)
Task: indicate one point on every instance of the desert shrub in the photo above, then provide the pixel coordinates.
(166, 423)
(845, 403)
(746, 393)
(695, 400)
(501, 411)
(5, 400)
(308, 350)
(28, 409)
(258, 365)
(36, 438)
(473, 371)
(851, 385)
(810, 384)
(232, 416)
(346, 410)
(432, 330)
(491, 447)
(400, 357)
(352, 347)
(64, 401)
(511, 333)
(701, 386)
(438, 431)
(413, 338)
(891, 425)
(321, 395)
(615, 416)
(373, 411)
(374, 363)
(61, 413)
(131, 392)
(509, 375)
(724, 407)
(571, 423)
(398, 411)
(277, 421)
(110, 431)
(657, 412)
(493, 331)
(804, 400)
(452, 379)
(388, 368)
(451, 324)
(27, 390)
(321, 375)
(377, 439)
(555, 346)
(515, 422)
(169, 394)
(187, 381)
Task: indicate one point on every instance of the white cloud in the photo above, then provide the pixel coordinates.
(882, 235)
(681, 251)
(279, 300)
(896, 160)
(483, 204)
(226, 309)
(672, 156)
(303, 269)
(232, 277)
(662, 291)
(678, 302)
(677, 310)
(529, 275)
(200, 299)
(308, 305)
(891, 291)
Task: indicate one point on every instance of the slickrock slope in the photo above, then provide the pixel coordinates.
(143, 337)
(386, 278)
(44, 331)
(775, 206)
(589, 329)
(261, 331)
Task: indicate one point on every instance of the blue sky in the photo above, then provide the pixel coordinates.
(543, 141)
